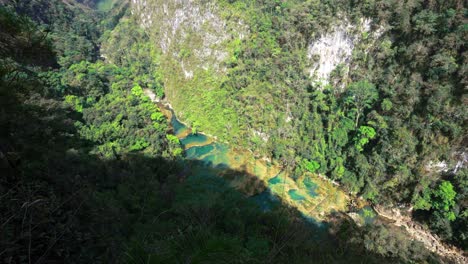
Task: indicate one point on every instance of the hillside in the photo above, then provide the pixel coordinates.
(372, 95)
(190, 131)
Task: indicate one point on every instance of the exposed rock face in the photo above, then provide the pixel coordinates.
(329, 51)
(356, 218)
(434, 166)
(458, 161)
(333, 50)
(261, 135)
(419, 233)
(462, 160)
(192, 31)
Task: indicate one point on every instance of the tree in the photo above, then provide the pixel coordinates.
(310, 165)
(365, 134)
(361, 95)
(137, 90)
(444, 199)
(425, 22)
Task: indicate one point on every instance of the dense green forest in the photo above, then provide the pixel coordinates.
(403, 106)
(90, 172)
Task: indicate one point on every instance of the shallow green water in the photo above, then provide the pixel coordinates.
(194, 139)
(311, 187)
(199, 152)
(274, 180)
(368, 214)
(295, 196)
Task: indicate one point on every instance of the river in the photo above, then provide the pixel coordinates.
(268, 185)
(263, 181)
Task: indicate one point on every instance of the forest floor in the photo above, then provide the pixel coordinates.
(419, 233)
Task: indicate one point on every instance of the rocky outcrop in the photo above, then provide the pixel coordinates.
(332, 51)
(419, 233)
(191, 31)
(457, 161)
(462, 160)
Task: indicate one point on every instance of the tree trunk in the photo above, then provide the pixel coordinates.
(357, 119)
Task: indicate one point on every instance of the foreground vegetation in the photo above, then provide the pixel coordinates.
(90, 173)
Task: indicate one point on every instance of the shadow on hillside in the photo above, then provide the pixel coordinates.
(64, 205)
